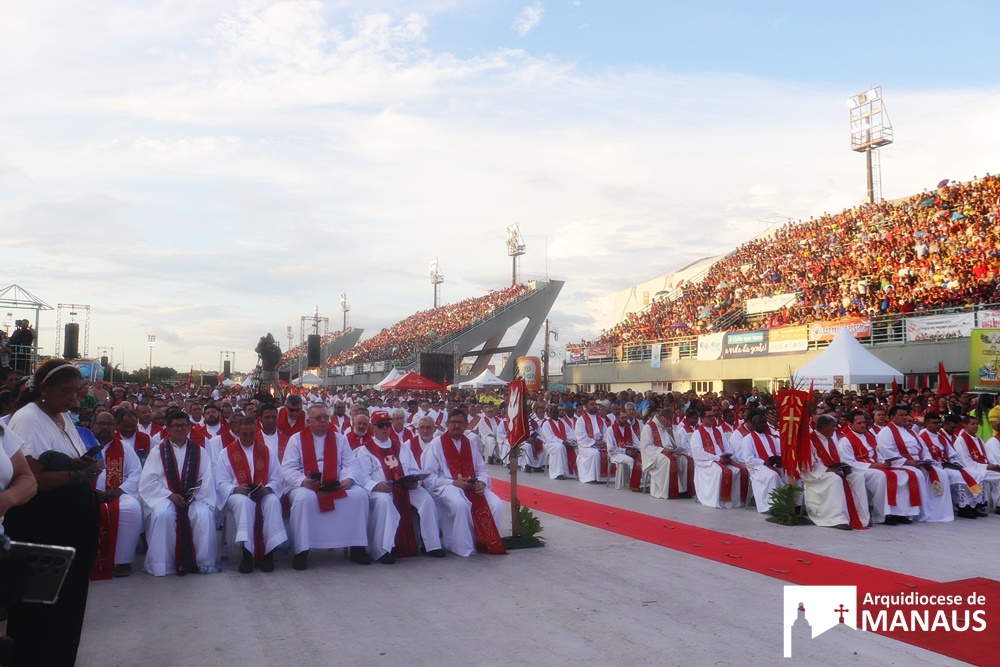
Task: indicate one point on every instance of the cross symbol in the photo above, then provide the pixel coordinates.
(841, 612)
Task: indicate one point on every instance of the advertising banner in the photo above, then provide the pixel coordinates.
(710, 347)
(769, 304)
(655, 351)
(988, 319)
(600, 352)
(788, 339)
(742, 344)
(940, 327)
(577, 355)
(984, 360)
(861, 328)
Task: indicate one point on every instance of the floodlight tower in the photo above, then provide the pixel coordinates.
(345, 306)
(436, 279)
(515, 248)
(870, 130)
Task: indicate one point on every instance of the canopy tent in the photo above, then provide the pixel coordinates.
(393, 374)
(307, 379)
(411, 380)
(485, 380)
(845, 362)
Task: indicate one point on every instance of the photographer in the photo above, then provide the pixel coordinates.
(270, 356)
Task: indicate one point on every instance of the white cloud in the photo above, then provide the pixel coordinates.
(220, 173)
(528, 19)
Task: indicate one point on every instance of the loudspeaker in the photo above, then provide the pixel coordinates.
(226, 369)
(438, 366)
(312, 358)
(71, 347)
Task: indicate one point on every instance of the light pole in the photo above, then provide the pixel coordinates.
(151, 342)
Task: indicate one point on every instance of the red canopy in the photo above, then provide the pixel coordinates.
(411, 380)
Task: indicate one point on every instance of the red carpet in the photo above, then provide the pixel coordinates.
(791, 565)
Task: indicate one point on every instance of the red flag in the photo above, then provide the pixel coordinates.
(895, 390)
(923, 381)
(944, 387)
(517, 412)
(191, 378)
(793, 415)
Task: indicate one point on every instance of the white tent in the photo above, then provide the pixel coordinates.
(393, 374)
(485, 380)
(308, 379)
(845, 363)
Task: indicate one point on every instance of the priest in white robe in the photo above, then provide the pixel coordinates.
(186, 487)
(123, 468)
(761, 454)
(970, 453)
(379, 465)
(555, 436)
(592, 447)
(666, 466)
(623, 450)
(718, 479)
(249, 485)
(835, 494)
(897, 444)
(324, 519)
(893, 493)
(470, 513)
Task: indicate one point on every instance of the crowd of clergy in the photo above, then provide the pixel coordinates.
(394, 476)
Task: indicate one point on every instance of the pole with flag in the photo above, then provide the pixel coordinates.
(944, 386)
(517, 420)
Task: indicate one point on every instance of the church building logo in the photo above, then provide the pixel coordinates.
(812, 610)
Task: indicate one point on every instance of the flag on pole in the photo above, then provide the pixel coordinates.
(793, 414)
(517, 412)
(944, 387)
(191, 378)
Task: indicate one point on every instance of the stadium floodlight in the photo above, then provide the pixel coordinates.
(515, 248)
(345, 306)
(436, 279)
(870, 130)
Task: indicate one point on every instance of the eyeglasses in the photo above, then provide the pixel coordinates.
(456, 421)
(382, 425)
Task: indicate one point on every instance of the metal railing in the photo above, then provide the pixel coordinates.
(885, 330)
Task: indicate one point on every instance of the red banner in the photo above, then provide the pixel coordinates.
(793, 413)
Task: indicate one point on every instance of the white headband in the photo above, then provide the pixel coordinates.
(56, 370)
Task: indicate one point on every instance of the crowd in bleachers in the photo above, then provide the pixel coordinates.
(933, 250)
(291, 355)
(426, 329)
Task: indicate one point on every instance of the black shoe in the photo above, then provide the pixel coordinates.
(387, 558)
(246, 564)
(968, 513)
(904, 520)
(981, 510)
(267, 565)
(564, 477)
(122, 570)
(360, 556)
(891, 520)
(436, 553)
(843, 526)
(299, 560)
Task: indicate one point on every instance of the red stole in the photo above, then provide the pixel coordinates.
(590, 433)
(416, 448)
(227, 437)
(331, 465)
(673, 487)
(635, 478)
(710, 438)
(342, 423)
(473, 423)
(354, 441)
(974, 452)
(181, 482)
(932, 472)
(241, 469)
(460, 464)
(392, 469)
(282, 442)
(831, 457)
(142, 441)
(198, 435)
(570, 451)
(288, 429)
(114, 460)
(861, 453)
(765, 448)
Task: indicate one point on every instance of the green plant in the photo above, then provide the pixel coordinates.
(528, 525)
(783, 506)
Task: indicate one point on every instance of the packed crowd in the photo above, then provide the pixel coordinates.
(428, 328)
(933, 250)
(291, 355)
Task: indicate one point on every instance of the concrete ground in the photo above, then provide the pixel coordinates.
(589, 597)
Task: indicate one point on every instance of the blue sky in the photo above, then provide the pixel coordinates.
(210, 171)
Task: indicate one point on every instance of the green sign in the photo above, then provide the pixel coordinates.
(984, 360)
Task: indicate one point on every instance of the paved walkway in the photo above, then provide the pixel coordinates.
(590, 597)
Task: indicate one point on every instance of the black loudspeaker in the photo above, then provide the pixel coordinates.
(285, 376)
(312, 358)
(71, 348)
(438, 366)
(226, 368)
